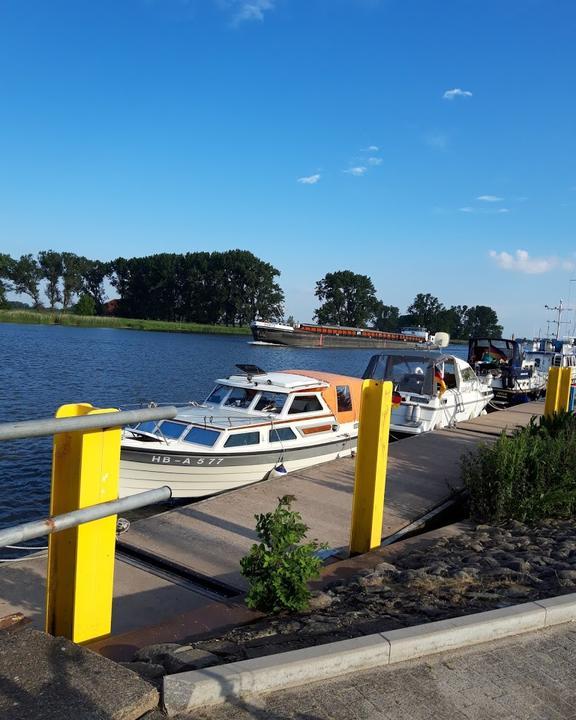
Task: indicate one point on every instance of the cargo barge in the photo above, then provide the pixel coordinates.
(335, 336)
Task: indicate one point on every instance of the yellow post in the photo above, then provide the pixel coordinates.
(371, 461)
(85, 471)
(558, 390)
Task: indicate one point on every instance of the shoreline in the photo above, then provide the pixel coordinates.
(29, 317)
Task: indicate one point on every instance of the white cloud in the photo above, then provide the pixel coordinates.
(522, 262)
(246, 10)
(489, 198)
(467, 209)
(503, 210)
(374, 161)
(371, 148)
(456, 92)
(356, 171)
(310, 179)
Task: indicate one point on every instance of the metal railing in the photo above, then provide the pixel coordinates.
(47, 526)
(85, 470)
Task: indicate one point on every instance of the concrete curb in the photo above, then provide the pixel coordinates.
(185, 691)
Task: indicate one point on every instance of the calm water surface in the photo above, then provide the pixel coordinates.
(45, 366)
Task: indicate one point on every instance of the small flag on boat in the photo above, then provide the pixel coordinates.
(396, 399)
(440, 381)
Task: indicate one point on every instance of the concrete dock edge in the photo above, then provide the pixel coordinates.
(185, 691)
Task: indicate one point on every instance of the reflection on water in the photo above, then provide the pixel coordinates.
(43, 367)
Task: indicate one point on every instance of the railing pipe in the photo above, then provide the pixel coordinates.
(53, 426)
(46, 526)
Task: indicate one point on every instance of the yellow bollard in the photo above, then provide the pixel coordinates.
(85, 470)
(371, 461)
(557, 390)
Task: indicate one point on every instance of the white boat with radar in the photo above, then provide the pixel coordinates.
(433, 389)
(252, 424)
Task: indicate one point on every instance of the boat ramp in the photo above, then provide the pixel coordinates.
(184, 559)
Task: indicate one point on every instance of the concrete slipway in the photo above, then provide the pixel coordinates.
(208, 538)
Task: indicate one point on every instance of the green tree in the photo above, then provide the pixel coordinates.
(425, 310)
(71, 278)
(51, 265)
(347, 299)
(6, 272)
(93, 274)
(482, 321)
(386, 317)
(85, 305)
(26, 277)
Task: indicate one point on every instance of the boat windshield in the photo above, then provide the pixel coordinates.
(407, 373)
(217, 395)
(271, 402)
(240, 397)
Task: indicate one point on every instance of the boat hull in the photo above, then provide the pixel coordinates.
(199, 475)
(302, 338)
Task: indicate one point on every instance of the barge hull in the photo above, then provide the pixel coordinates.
(318, 340)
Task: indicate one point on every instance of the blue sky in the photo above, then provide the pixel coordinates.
(428, 144)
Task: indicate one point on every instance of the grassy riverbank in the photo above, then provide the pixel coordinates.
(31, 317)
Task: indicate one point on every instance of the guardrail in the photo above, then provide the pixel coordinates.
(83, 507)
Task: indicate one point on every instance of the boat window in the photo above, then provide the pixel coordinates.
(202, 436)
(271, 402)
(406, 372)
(304, 404)
(468, 375)
(449, 374)
(147, 426)
(344, 398)
(239, 439)
(240, 397)
(172, 429)
(279, 434)
(217, 395)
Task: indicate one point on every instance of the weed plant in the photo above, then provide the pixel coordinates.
(279, 567)
(526, 476)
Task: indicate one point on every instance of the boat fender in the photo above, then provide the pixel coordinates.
(278, 471)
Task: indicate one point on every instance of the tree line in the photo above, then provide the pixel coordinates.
(348, 298)
(230, 288)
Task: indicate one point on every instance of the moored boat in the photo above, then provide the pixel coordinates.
(252, 424)
(433, 389)
(514, 376)
(334, 336)
(549, 353)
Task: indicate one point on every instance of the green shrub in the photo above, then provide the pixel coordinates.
(85, 306)
(278, 568)
(526, 476)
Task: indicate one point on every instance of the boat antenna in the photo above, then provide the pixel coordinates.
(559, 309)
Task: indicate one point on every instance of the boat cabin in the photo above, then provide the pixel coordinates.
(258, 407)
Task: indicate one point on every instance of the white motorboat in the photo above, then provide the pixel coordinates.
(547, 353)
(514, 375)
(432, 389)
(252, 424)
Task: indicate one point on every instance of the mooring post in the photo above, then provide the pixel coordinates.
(371, 462)
(558, 390)
(85, 470)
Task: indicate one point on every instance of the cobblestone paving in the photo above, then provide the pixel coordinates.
(530, 677)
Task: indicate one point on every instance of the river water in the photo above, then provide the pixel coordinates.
(45, 366)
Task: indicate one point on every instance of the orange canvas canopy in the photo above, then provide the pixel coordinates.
(336, 392)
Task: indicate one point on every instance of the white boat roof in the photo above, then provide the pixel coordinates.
(274, 381)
